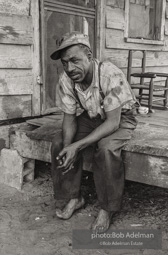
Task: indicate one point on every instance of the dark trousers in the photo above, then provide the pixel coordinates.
(107, 164)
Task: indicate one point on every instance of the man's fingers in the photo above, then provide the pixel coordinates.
(66, 164)
(71, 167)
(62, 153)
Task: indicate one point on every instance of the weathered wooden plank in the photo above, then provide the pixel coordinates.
(166, 27)
(15, 29)
(149, 140)
(15, 56)
(120, 58)
(15, 82)
(15, 106)
(46, 132)
(20, 7)
(166, 16)
(4, 135)
(115, 3)
(44, 121)
(28, 148)
(146, 169)
(115, 40)
(100, 28)
(36, 58)
(153, 120)
(115, 18)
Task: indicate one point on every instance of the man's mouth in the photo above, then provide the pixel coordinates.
(74, 76)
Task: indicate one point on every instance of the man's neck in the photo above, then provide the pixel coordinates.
(88, 78)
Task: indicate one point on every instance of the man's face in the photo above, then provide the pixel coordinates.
(75, 63)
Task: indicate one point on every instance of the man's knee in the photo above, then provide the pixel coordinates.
(110, 147)
(105, 145)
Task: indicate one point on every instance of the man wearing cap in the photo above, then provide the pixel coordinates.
(106, 124)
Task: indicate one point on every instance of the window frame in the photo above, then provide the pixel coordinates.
(144, 41)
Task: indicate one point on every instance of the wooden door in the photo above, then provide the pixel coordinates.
(58, 18)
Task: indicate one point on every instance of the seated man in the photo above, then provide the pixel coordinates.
(106, 124)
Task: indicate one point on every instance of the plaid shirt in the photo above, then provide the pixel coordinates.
(117, 92)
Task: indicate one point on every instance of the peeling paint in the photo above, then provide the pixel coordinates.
(10, 30)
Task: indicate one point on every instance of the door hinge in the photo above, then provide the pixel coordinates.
(39, 80)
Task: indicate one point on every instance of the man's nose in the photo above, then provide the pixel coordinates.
(70, 67)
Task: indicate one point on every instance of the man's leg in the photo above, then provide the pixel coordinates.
(109, 176)
(68, 186)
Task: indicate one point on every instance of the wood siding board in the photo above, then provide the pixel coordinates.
(166, 27)
(116, 3)
(115, 40)
(15, 29)
(120, 58)
(15, 56)
(20, 7)
(167, 10)
(15, 82)
(115, 18)
(36, 107)
(15, 106)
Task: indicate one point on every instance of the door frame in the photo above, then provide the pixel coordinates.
(99, 44)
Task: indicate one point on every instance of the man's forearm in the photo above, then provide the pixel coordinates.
(103, 130)
(69, 128)
(109, 126)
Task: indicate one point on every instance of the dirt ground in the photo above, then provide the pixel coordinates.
(29, 226)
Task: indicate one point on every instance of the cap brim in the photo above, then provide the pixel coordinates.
(57, 54)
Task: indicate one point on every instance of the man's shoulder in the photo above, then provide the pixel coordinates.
(110, 69)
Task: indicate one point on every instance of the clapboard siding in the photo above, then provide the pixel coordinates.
(115, 39)
(115, 18)
(120, 58)
(15, 56)
(116, 3)
(116, 46)
(16, 82)
(16, 29)
(15, 106)
(21, 7)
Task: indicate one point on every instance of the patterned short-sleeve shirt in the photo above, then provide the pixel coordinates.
(117, 92)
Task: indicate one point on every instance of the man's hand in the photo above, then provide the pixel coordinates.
(68, 156)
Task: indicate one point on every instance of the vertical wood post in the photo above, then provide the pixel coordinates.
(35, 13)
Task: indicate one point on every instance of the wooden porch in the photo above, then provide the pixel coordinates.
(145, 157)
